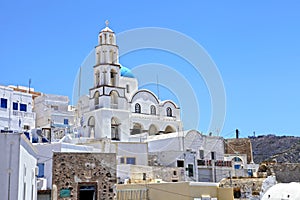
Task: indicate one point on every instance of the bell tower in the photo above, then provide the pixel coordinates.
(107, 68)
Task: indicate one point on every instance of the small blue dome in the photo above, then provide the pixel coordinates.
(125, 72)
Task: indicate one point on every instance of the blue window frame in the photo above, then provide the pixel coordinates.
(15, 106)
(23, 107)
(66, 121)
(3, 103)
(130, 161)
(41, 167)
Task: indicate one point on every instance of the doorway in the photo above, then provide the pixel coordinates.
(87, 192)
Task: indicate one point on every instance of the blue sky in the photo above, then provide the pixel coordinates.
(255, 45)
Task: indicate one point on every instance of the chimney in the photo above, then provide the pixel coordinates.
(237, 133)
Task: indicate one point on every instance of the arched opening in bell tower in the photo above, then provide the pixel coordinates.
(113, 77)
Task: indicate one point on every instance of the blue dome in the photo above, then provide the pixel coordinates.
(125, 72)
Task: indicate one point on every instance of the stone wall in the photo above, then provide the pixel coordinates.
(244, 188)
(239, 146)
(287, 172)
(74, 170)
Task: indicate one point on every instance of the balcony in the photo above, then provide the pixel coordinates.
(23, 114)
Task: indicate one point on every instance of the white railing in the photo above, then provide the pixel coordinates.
(23, 114)
(114, 105)
(153, 117)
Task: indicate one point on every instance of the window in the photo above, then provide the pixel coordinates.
(201, 154)
(23, 107)
(169, 112)
(26, 127)
(190, 170)
(15, 106)
(41, 167)
(54, 107)
(153, 110)
(3, 103)
(114, 128)
(127, 88)
(237, 159)
(66, 121)
(213, 155)
(122, 160)
(180, 163)
(137, 108)
(130, 161)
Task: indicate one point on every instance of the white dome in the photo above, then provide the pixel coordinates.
(280, 191)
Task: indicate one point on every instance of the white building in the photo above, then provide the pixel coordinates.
(16, 110)
(45, 154)
(18, 168)
(283, 191)
(115, 108)
(53, 115)
(201, 155)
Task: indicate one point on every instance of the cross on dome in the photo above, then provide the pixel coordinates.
(106, 23)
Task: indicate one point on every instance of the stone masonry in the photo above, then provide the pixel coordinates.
(73, 170)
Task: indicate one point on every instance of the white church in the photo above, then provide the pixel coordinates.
(115, 108)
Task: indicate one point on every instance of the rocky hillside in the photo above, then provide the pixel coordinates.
(285, 149)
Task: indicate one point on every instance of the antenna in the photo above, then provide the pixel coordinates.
(29, 85)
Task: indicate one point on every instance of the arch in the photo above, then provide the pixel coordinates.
(110, 39)
(153, 130)
(169, 111)
(237, 159)
(152, 110)
(96, 98)
(100, 39)
(105, 38)
(136, 129)
(152, 95)
(97, 77)
(170, 129)
(169, 101)
(111, 55)
(91, 127)
(113, 77)
(114, 99)
(137, 108)
(114, 129)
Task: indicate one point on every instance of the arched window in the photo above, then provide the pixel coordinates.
(100, 39)
(98, 57)
(105, 39)
(91, 126)
(110, 39)
(169, 129)
(113, 77)
(96, 98)
(114, 99)
(152, 110)
(169, 112)
(153, 130)
(97, 77)
(114, 129)
(137, 129)
(137, 108)
(111, 54)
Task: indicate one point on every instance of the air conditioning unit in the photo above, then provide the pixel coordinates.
(41, 184)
